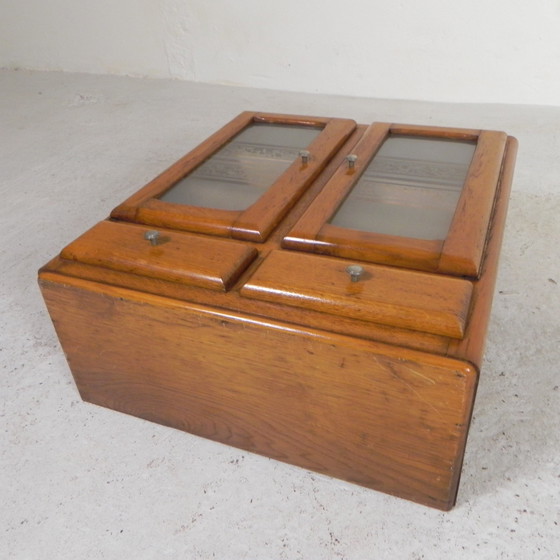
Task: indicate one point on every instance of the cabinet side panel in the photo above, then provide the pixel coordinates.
(390, 419)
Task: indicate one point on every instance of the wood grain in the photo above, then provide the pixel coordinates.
(464, 245)
(459, 254)
(256, 222)
(277, 352)
(178, 257)
(387, 418)
(335, 191)
(471, 347)
(401, 298)
(436, 132)
(232, 301)
(128, 210)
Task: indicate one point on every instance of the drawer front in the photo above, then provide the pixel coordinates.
(173, 256)
(400, 298)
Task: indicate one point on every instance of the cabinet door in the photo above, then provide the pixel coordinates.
(242, 180)
(410, 196)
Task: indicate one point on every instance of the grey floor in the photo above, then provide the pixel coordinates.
(81, 482)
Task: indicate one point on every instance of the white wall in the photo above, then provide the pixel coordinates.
(503, 51)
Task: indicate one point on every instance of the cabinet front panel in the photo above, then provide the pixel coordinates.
(386, 418)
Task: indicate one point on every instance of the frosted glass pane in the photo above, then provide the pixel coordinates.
(410, 188)
(241, 171)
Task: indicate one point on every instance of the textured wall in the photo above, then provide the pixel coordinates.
(505, 51)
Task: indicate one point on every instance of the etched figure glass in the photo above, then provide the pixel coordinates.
(236, 175)
(410, 188)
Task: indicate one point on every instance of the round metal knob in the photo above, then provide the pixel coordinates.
(356, 271)
(351, 159)
(152, 236)
(304, 155)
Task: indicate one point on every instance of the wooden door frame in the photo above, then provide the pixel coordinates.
(257, 221)
(460, 253)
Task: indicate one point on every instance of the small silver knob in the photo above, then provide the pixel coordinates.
(304, 155)
(355, 271)
(351, 159)
(152, 236)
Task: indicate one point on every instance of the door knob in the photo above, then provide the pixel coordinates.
(304, 155)
(351, 159)
(152, 236)
(355, 271)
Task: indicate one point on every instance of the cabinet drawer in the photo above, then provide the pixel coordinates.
(400, 298)
(177, 257)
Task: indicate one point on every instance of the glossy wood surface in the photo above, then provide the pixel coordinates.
(402, 298)
(339, 185)
(277, 351)
(261, 218)
(464, 245)
(460, 253)
(256, 222)
(128, 210)
(383, 417)
(471, 347)
(212, 263)
(232, 301)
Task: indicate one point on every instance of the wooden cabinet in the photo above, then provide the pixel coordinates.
(306, 288)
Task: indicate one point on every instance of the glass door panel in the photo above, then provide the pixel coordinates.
(242, 180)
(410, 188)
(410, 196)
(239, 173)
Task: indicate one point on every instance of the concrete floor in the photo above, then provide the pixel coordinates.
(81, 482)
